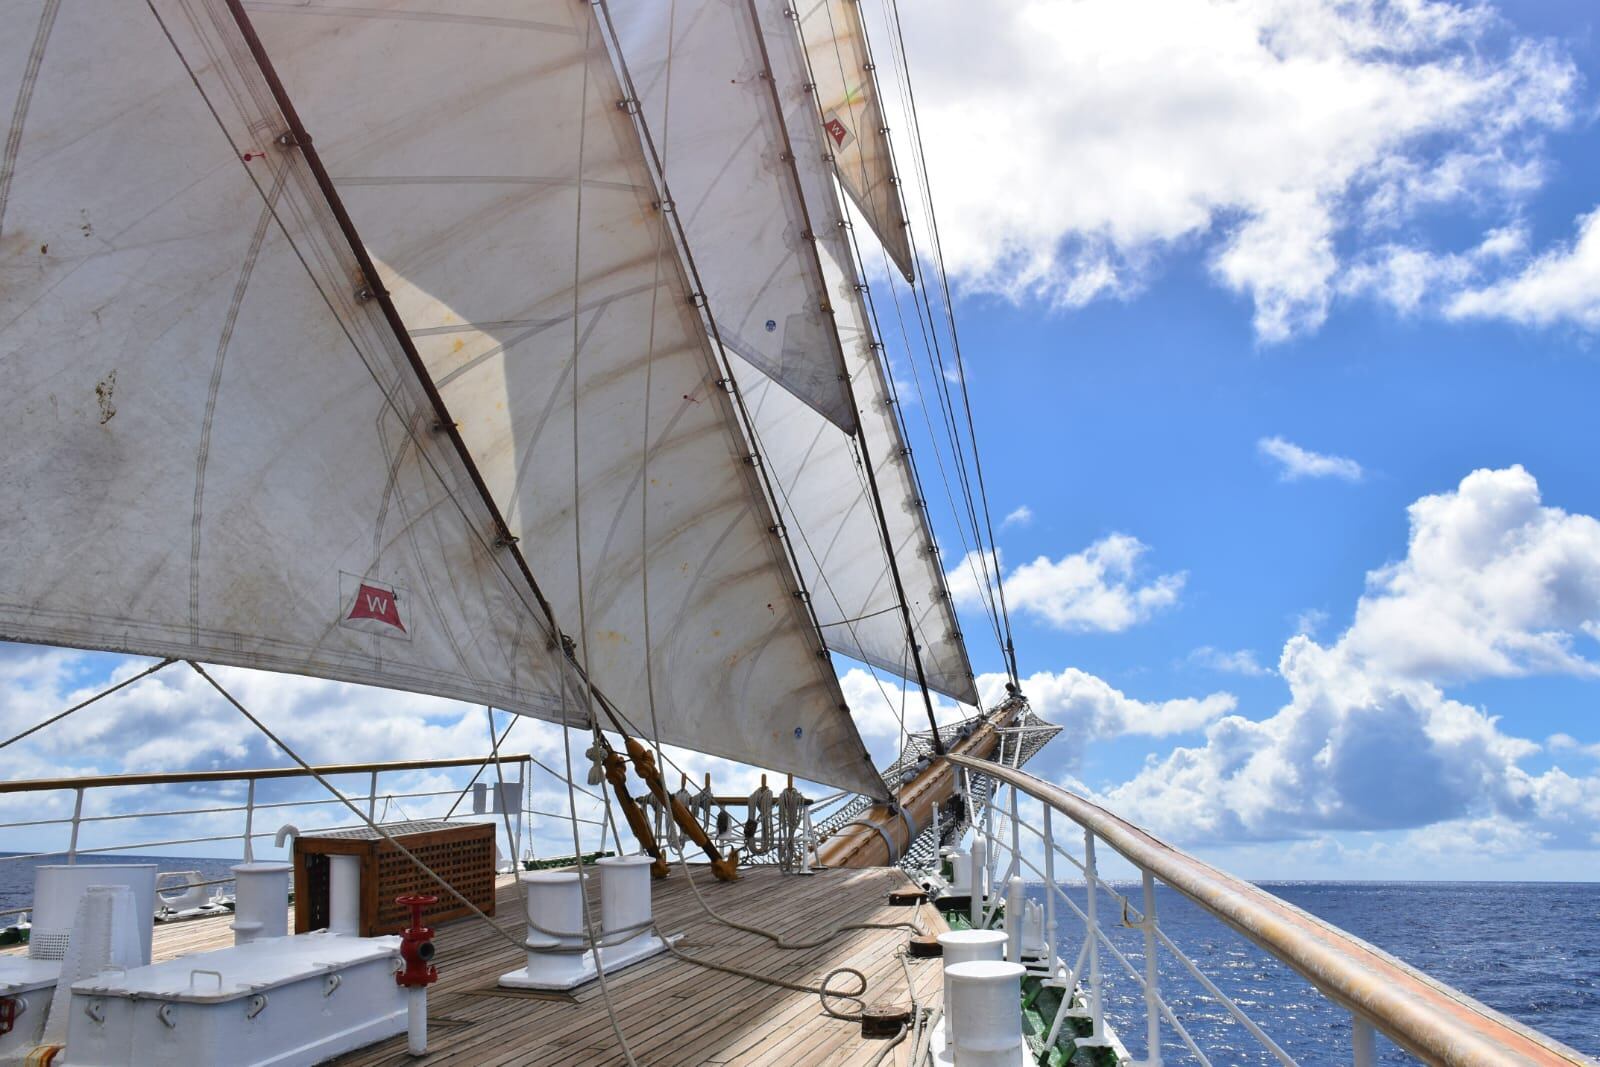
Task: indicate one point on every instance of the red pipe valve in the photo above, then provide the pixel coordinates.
(416, 944)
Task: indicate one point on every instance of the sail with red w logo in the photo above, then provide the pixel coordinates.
(373, 606)
(375, 603)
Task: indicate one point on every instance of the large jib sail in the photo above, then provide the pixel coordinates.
(219, 449)
(492, 164)
(214, 448)
(724, 87)
(861, 626)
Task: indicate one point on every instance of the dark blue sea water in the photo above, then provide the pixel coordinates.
(1529, 950)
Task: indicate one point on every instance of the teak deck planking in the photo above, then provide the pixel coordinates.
(672, 1011)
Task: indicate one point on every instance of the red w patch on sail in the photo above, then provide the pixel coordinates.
(374, 603)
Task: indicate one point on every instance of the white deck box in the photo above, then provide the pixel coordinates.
(286, 1000)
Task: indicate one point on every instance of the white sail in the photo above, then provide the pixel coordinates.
(490, 162)
(712, 97)
(697, 66)
(212, 448)
(852, 587)
(852, 121)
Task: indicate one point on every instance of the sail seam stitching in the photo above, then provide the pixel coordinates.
(203, 454)
(19, 111)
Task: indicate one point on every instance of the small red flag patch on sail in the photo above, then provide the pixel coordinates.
(837, 131)
(380, 604)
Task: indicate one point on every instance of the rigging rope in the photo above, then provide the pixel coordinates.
(36, 727)
(904, 69)
(876, 325)
(590, 24)
(366, 821)
(947, 407)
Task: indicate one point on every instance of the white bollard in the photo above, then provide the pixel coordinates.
(960, 872)
(260, 901)
(624, 904)
(967, 946)
(987, 1012)
(559, 960)
(344, 895)
(417, 1020)
(979, 868)
(1014, 919)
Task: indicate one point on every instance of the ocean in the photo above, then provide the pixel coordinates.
(1529, 950)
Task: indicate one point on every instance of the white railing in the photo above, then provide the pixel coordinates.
(124, 808)
(1381, 994)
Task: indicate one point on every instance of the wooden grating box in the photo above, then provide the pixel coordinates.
(462, 853)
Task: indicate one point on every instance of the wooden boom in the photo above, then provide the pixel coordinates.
(882, 833)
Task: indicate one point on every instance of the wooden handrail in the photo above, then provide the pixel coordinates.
(1422, 1015)
(95, 781)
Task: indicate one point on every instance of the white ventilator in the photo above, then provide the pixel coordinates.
(557, 956)
(984, 1004)
(261, 901)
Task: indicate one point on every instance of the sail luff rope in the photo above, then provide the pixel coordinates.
(36, 727)
(827, 584)
(949, 307)
(885, 540)
(978, 557)
(334, 204)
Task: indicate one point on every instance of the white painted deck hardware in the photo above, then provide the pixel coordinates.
(984, 1010)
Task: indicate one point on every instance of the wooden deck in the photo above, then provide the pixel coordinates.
(672, 1012)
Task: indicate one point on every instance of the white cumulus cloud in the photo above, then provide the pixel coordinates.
(1021, 515)
(1295, 463)
(1494, 584)
(1096, 589)
(1561, 286)
(1074, 145)
(1243, 661)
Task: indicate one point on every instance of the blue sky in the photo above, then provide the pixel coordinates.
(1421, 309)
(1246, 300)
